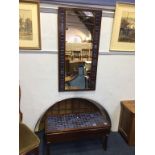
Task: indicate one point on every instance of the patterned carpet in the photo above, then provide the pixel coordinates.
(116, 146)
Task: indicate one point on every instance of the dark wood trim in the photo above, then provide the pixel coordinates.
(96, 38)
(61, 47)
(127, 121)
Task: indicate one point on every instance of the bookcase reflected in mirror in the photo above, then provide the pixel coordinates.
(78, 41)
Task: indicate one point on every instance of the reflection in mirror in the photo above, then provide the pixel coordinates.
(79, 30)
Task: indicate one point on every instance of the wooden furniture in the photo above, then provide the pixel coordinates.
(127, 121)
(76, 118)
(84, 24)
(28, 141)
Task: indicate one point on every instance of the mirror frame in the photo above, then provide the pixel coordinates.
(61, 46)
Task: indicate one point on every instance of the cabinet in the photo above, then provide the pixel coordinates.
(127, 121)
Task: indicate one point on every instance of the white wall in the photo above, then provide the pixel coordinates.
(79, 30)
(39, 75)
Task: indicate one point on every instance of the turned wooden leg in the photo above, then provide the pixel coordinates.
(105, 140)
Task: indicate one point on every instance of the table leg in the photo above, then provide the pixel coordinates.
(48, 149)
(105, 140)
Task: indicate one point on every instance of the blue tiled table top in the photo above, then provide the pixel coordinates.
(75, 121)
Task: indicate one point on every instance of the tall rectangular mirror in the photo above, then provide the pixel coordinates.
(79, 32)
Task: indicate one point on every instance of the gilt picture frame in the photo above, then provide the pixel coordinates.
(123, 33)
(29, 26)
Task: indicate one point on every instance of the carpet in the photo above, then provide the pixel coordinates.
(116, 146)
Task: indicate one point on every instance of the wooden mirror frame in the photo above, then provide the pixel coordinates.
(61, 47)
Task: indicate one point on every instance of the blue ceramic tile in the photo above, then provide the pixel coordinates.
(72, 121)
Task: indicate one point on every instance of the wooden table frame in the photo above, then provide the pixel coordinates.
(101, 132)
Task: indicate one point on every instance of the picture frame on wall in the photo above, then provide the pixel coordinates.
(123, 33)
(29, 25)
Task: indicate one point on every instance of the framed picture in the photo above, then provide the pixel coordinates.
(29, 25)
(123, 34)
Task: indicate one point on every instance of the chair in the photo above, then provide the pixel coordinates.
(28, 141)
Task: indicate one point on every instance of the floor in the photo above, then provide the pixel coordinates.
(116, 146)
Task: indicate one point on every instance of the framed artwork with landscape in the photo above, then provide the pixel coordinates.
(123, 34)
(29, 25)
